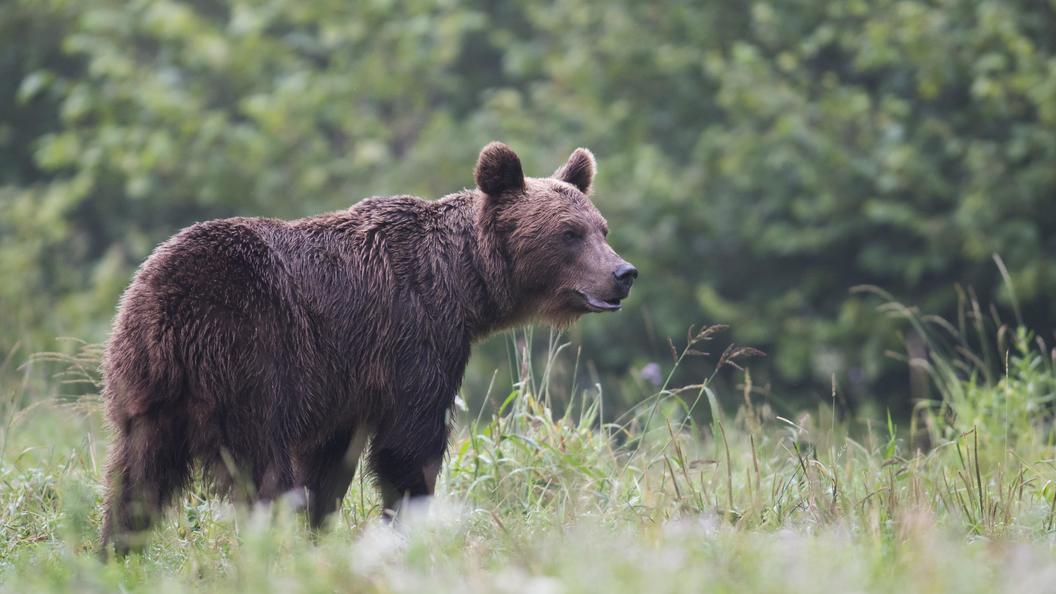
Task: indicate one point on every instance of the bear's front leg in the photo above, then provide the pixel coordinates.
(406, 458)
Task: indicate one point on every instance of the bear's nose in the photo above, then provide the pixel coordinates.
(626, 274)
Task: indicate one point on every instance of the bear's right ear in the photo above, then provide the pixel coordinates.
(498, 170)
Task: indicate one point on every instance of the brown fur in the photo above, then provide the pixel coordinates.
(267, 351)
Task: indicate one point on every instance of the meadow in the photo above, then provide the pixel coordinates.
(544, 491)
(755, 160)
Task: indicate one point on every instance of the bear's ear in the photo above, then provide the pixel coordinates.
(498, 170)
(578, 170)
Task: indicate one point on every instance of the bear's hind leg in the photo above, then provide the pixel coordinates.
(147, 465)
(327, 470)
(406, 460)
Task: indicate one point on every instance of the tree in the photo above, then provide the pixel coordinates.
(756, 159)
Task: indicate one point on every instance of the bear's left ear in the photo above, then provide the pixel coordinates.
(498, 170)
(578, 170)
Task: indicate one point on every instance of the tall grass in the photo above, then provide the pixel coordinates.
(678, 494)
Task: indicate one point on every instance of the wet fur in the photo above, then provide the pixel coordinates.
(266, 351)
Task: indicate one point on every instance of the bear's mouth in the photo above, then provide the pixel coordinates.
(594, 304)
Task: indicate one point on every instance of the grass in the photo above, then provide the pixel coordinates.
(532, 500)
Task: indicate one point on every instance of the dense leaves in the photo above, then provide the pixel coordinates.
(756, 159)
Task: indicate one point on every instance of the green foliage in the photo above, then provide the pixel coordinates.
(757, 159)
(992, 381)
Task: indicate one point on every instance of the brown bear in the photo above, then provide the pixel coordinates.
(267, 352)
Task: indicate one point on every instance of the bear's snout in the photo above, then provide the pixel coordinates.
(625, 275)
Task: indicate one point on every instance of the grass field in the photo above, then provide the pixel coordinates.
(532, 501)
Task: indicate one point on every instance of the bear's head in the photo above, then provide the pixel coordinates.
(552, 237)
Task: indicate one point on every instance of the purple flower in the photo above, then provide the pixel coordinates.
(651, 373)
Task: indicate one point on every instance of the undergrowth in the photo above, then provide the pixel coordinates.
(678, 494)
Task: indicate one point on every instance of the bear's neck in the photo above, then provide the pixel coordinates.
(481, 267)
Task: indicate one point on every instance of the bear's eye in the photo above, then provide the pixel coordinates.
(571, 235)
